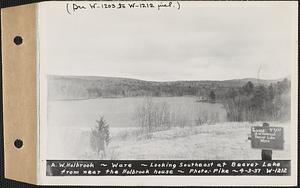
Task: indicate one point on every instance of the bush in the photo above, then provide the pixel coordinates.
(207, 118)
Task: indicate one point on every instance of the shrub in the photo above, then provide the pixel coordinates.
(204, 117)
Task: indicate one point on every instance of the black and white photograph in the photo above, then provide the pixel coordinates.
(150, 93)
(168, 81)
(167, 84)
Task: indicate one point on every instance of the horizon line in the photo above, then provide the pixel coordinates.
(275, 79)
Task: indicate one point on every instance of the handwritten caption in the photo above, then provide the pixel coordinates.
(72, 8)
(267, 137)
(147, 167)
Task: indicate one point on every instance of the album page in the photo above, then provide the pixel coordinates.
(167, 93)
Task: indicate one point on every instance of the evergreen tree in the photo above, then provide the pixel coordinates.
(100, 136)
(212, 96)
(248, 88)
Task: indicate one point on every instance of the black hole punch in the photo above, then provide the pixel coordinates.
(18, 143)
(18, 40)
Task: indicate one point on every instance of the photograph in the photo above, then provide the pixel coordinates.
(168, 84)
(151, 93)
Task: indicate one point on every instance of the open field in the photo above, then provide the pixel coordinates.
(221, 141)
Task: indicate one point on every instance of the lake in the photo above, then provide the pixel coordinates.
(69, 124)
(119, 112)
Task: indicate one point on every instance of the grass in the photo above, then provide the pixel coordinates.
(224, 141)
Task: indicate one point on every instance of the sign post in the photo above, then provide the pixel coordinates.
(266, 154)
(267, 138)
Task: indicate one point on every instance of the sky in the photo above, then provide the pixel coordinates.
(201, 41)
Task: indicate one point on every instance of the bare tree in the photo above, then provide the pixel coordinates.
(152, 116)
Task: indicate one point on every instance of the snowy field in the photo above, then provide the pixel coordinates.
(223, 141)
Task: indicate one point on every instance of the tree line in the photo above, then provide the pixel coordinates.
(259, 102)
(67, 87)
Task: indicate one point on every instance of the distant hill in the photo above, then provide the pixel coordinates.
(86, 87)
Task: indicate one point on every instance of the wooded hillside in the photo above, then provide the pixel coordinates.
(86, 87)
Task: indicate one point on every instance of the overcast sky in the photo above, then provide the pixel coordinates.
(202, 41)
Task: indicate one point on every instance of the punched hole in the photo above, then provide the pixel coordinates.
(18, 40)
(18, 143)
